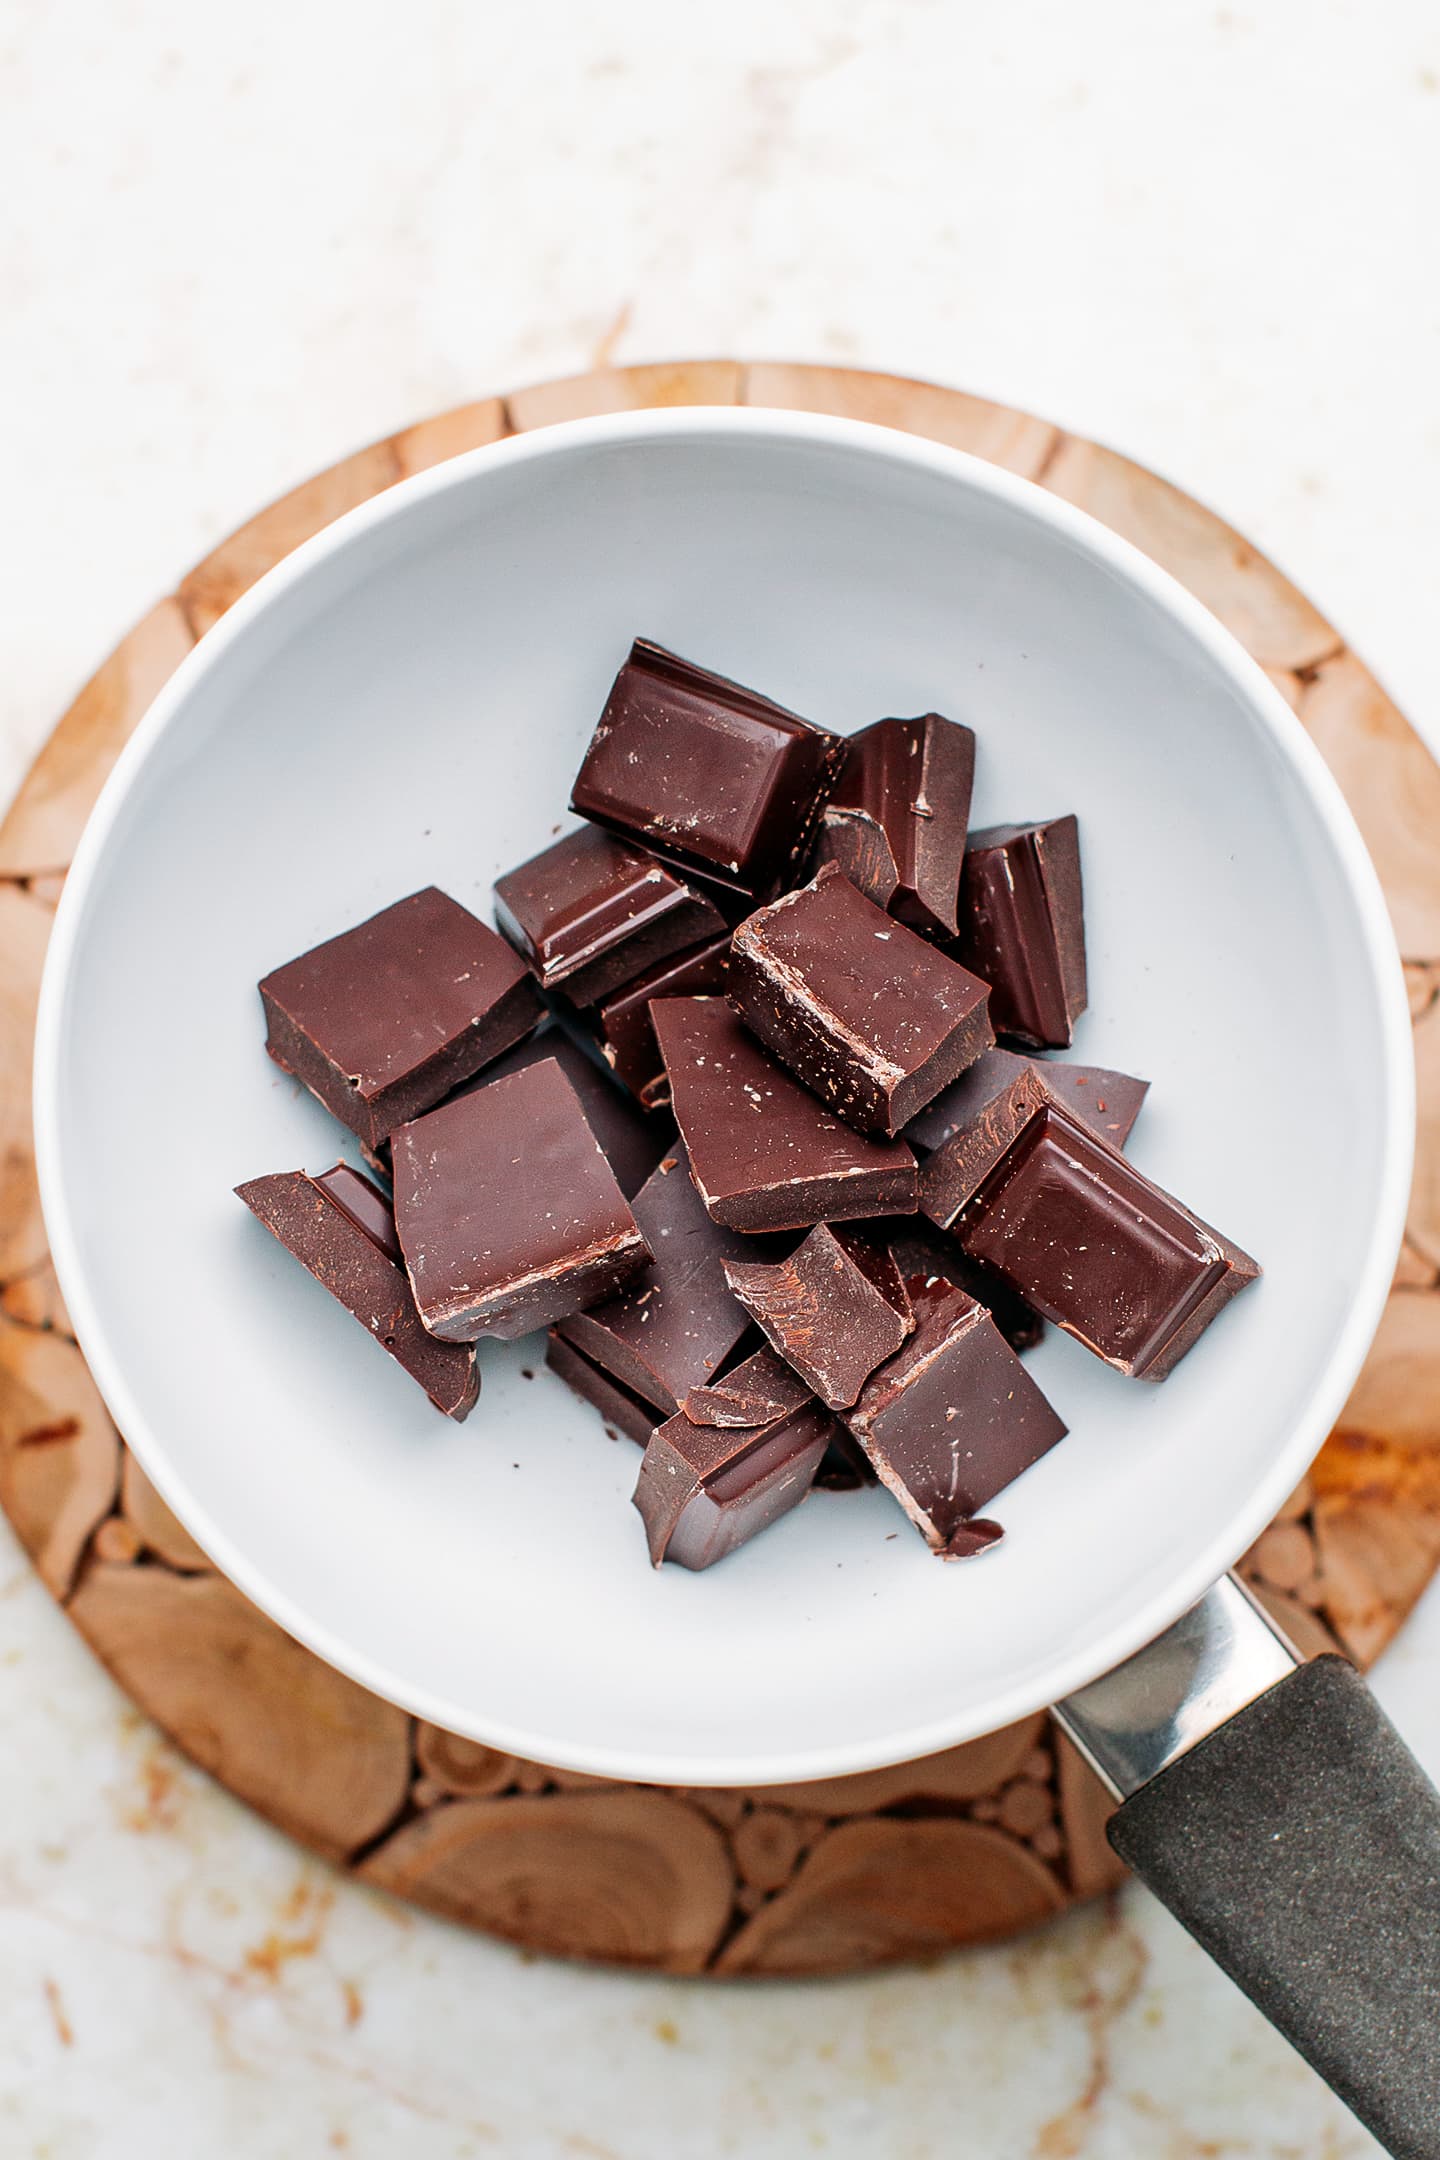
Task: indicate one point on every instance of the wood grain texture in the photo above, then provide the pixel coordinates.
(976, 1842)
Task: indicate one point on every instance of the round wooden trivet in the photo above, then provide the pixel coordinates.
(980, 1841)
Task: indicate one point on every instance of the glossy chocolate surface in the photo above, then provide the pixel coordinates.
(896, 820)
(1100, 1249)
(383, 1021)
(346, 1246)
(764, 1154)
(706, 772)
(626, 1032)
(873, 1018)
(679, 1320)
(834, 1309)
(953, 1417)
(508, 1213)
(1022, 928)
(593, 911)
(703, 1490)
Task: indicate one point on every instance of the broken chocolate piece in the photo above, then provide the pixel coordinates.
(592, 912)
(339, 1226)
(1100, 1249)
(627, 1035)
(835, 1309)
(705, 1489)
(1022, 928)
(705, 772)
(679, 1320)
(764, 1154)
(616, 1405)
(872, 1018)
(507, 1211)
(756, 1392)
(631, 1143)
(383, 1021)
(953, 1417)
(895, 823)
(1108, 1102)
(979, 1535)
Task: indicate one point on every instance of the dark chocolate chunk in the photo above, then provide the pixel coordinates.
(1022, 928)
(706, 772)
(1108, 1102)
(383, 1021)
(631, 1143)
(953, 1417)
(627, 1035)
(508, 1213)
(895, 823)
(835, 1309)
(764, 1154)
(1100, 1249)
(920, 1248)
(979, 1535)
(592, 912)
(678, 1322)
(616, 1405)
(872, 1018)
(756, 1392)
(705, 1489)
(339, 1226)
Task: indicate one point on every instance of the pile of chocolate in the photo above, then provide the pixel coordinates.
(723, 1109)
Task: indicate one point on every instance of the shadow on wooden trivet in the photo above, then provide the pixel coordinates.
(975, 1843)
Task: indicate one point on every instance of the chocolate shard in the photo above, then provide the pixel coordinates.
(1022, 928)
(626, 1032)
(764, 1154)
(1108, 1102)
(383, 1021)
(679, 1321)
(507, 1211)
(592, 912)
(972, 1538)
(835, 1309)
(1100, 1249)
(870, 1016)
(339, 1226)
(755, 1392)
(616, 1405)
(921, 1248)
(953, 1417)
(896, 821)
(706, 772)
(703, 1490)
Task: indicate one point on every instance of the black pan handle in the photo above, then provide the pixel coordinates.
(1299, 1843)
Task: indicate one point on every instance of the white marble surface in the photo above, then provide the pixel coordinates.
(239, 243)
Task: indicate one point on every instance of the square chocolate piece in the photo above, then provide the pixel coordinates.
(341, 1228)
(1022, 928)
(592, 912)
(708, 773)
(972, 1125)
(383, 1021)
(706, 1489)
(675, 1326)
(870, 1016)
(764, 1154)
(1100, 1249)
(896, 821)
(953, 1417)
(508, 1213)
(835, 1309)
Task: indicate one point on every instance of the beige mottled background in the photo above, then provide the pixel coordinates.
(235, 244)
